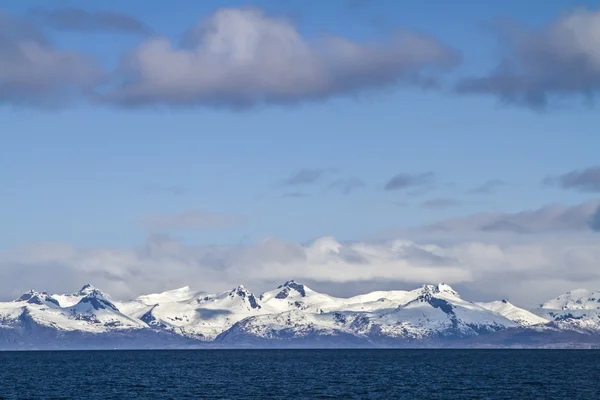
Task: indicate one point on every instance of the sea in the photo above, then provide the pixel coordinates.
(301, 374)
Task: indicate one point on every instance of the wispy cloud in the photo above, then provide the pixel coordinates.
(439, 203)
(35, 73)
(403, 181)
(76, 19)
(595, 220)
(558, 60)
(583, 180)
(305, 176)
(488, 187)
(347, 185)
(549, 218)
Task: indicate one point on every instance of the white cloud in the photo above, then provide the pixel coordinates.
(242, 57)
(525, 268)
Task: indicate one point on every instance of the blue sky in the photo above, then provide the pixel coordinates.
(110, 173)
(85, 174)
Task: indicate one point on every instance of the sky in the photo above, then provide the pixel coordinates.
(354, 144)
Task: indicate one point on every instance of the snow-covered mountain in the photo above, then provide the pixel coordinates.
(430, 312)
(196, 314)
(577, 310)
(88, 310)
(579, 299)
(291, 314)
(519, 315)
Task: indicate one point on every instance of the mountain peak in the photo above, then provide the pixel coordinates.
(33, 297)
(242, 292)
(96, 301)
(289, 286)
(439, 288)
(27, 295)
(444, 288)
(577, 299)
(86, 289)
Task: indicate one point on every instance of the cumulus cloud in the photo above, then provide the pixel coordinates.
(188, 220)
(74, 19)
(560, 59)
(403, 181)
(583, 180)
(243, 57)
(35, 73)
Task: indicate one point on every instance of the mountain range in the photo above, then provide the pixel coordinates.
(293, 315)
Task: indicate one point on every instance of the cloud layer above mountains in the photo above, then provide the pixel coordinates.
(527, 257)
(240, 58)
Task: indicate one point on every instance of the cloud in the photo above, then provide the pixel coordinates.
(531, 270)
(189, 220)
(242, 58)
(558, 60)
(583, 180)
(440, 202)
(347, 185)
(74, 19)
(488, 187)
(305, 176)
(164, 263)
(404, 181)
(595, 220)
(34, 73)
(549, 218)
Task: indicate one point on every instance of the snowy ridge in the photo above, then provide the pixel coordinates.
(579, 299)
(89, 310)
(291, 313)
(516, 314)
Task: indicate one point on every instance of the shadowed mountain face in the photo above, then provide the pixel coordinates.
(293, 315)
(289, 286)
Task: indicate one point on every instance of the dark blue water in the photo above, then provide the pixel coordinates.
(301, 374)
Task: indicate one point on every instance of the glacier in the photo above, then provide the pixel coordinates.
(293, 315)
